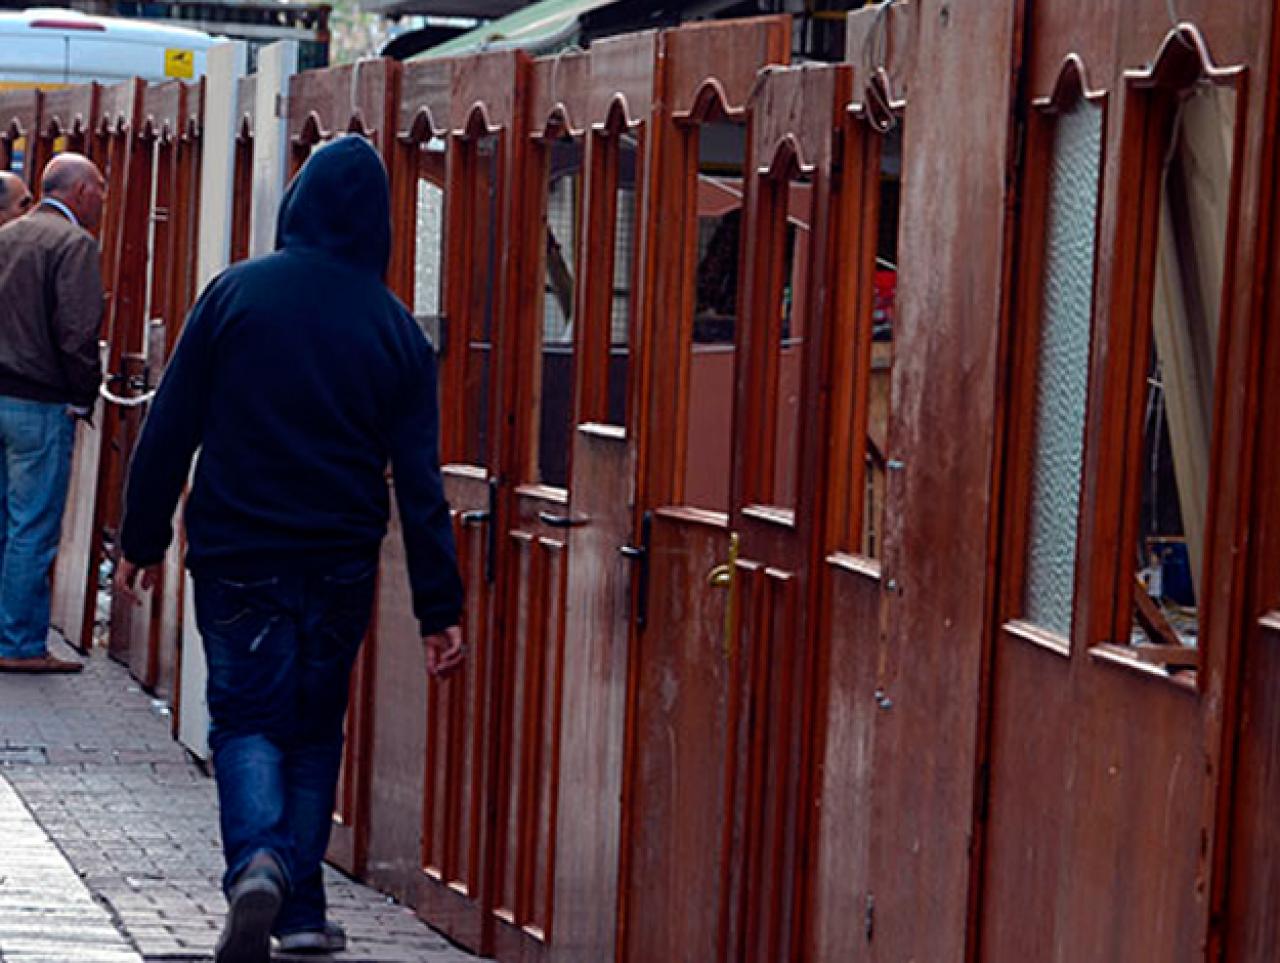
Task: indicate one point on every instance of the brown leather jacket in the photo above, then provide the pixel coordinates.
(50, 310)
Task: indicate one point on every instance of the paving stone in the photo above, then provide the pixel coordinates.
(129, 823)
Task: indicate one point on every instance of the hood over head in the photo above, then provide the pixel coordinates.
(339, 204)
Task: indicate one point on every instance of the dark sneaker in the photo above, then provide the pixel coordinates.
(40, 663)
(331, 939)
(254, 900)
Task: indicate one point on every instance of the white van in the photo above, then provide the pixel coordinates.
(52, 47)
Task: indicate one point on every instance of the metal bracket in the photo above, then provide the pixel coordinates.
(640, 555)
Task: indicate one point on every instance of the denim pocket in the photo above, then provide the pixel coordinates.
(232, 602)
(348, 600)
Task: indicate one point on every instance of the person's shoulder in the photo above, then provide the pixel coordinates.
(50, 233)
(57, 229)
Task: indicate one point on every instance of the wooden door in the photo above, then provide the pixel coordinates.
(242, 177)
(399, 714)
(482, 285)
(1251, 865)
(547, 238)
(180, 293)
(126, 239)
(601, 519)
(324, 104)
(687, 718)
(780, 439)
(138, 626)
(859, 353)
(1129, 425)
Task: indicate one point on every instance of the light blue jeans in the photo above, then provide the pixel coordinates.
(35, 467)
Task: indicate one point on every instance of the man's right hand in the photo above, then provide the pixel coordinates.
(445, 652)
(130, 576)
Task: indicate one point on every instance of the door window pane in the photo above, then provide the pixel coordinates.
(1062, 376)
(1178, 415)
(718, 199)
(883, 324)
(428, 251)
(481, 304)
(561, 219)
(625, 236)
(789, 286)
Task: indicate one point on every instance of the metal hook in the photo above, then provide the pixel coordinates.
(555, 69)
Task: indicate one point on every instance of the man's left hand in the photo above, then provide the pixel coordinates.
(129, 578)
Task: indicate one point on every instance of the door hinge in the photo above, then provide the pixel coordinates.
(869, 917)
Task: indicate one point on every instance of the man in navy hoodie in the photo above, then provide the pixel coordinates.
(299, 377)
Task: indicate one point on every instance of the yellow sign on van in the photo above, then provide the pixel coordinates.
(179, 63)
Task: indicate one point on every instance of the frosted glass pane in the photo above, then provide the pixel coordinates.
(428, 253)
(1063, 373)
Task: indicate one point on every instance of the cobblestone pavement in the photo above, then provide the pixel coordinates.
(135, 822)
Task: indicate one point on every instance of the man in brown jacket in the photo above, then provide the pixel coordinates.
(50, 315)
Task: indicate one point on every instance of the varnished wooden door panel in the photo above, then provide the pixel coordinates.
(601, 510)
(780, 455)
(693, 794)
(164, 106)
(456, 804)
(683, 750)
(935, 530)
(1251, 873)
(401, 691)
(456, 889)
(323, 104)
(1104, 824)
(846, 705)
(858, 362)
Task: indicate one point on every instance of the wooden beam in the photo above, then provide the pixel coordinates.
(226, 64)
(276, 64)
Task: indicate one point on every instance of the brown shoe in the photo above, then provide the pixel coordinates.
(40, 663)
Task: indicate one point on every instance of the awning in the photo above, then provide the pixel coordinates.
(471, 9)
(538, 27)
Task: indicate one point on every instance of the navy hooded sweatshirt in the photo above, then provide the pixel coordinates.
(299, 376)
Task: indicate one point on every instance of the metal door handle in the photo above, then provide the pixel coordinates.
(475, 517)
(724, 576)
(563, 521)
(721, 576)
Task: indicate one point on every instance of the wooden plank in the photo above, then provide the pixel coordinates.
(227, 63)
(936, 557)
(75, 586)
(276, 65)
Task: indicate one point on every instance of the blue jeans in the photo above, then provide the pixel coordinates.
(280, 652)
(35, 468)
